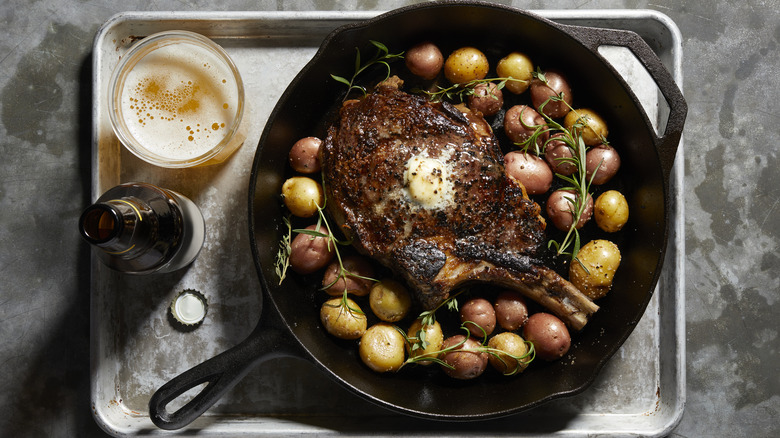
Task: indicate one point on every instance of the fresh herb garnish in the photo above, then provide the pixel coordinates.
(283, 255)
(435, 356)
(382, 57)
(579, 183)
(460, 92)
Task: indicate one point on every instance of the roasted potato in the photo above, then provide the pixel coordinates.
(424, 340)
(611, 211)
(559, 155)
(487, 99)
(302, 196)
(604, 161)
(589, 123)
(556, 85)
(549, 335)
(424, 60)
(382, 348)
(593, 271)
(478, 316)
(304, 156)
(311, 253)
(560, 208)
(465, 65)
(389, 300)
(511, 310)
(357, 280)
(512, 344)
(519, 67)
(343, 319)
(532, 171)
(520, 124)
(462, 364)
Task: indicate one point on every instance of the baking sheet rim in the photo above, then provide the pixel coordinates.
(671, 406)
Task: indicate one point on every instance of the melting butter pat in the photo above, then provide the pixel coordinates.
(427, 182)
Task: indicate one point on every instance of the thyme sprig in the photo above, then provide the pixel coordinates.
(460, 92)
(382, 57)
(428, 318)
(283, 255)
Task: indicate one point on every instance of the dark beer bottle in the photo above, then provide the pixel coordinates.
(140, 228)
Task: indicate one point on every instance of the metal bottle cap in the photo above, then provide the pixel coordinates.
(189, 307)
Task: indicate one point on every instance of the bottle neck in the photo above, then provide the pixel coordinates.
(111, 225)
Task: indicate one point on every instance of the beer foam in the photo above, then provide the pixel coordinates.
(179, 100)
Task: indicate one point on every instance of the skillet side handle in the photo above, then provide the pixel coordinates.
(220, 373)
(667, 143)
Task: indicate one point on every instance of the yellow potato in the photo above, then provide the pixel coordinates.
(434, 337)
(611, 211)
(510, 343)
(382, 348)
(589, 123)
(466, 64)
(517, 66)
(302, 195)
(601, 258)
(389, 300)
(343, 322)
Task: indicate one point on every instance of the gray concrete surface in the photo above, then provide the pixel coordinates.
(732, 202)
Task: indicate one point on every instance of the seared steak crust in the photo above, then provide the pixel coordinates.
(472, 223)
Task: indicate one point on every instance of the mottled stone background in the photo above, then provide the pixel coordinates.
(732, 191)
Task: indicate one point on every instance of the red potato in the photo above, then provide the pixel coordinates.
(424, 60)
(557, 153)
(511, 310)
(532, 171)
(554, 85)
(521, 122)
(305, 155)
(355, 265)
(310, 253)
(487, 99)
(466, 364)
(549, 335)
(604, 161)
(477, 314)
(559, 209)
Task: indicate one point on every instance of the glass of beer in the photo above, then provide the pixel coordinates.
(177, 100)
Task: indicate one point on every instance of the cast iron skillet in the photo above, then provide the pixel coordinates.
(289, 324)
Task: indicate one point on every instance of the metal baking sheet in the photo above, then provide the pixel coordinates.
(135, 348)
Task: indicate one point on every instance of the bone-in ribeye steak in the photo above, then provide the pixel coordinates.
(421, 187)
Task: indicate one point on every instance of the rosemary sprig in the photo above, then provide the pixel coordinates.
(434, 356)
(579, 183)
(382, 57)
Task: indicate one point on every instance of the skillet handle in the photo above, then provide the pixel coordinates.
(221, 373)
(666, 144)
